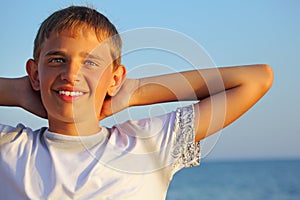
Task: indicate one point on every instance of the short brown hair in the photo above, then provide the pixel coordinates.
(74, 17)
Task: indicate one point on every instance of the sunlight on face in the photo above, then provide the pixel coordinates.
(75, 73)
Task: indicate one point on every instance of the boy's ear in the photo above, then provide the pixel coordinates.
(32, 71)
(119, 76)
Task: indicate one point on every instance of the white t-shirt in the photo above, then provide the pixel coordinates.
(133, 160)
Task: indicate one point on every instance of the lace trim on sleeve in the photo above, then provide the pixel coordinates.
(186, 151)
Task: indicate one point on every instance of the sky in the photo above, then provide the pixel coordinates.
(211, 33)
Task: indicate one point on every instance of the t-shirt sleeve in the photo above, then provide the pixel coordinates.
(185, 151)
(149, 144)
(8, 133)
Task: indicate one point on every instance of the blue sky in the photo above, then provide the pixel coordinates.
(230, 32)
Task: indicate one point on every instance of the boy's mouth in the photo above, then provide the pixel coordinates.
(70, 93)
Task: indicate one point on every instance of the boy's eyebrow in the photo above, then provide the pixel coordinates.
(82, 54)
(55, 52)
(90, 55)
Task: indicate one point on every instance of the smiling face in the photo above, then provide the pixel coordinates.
(74, 74)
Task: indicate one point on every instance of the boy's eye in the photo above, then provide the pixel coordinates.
(57, 60)
(90, 63)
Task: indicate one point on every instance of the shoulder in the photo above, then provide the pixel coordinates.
(154, 142)
(162, 123)
(9, 133)
(148, 127)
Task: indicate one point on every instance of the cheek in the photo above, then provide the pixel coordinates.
(45, 89)
(100, 94)
(101, 83)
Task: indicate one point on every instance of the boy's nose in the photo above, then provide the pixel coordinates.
(71, 73)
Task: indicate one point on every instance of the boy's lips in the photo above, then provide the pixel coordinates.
(70, 93)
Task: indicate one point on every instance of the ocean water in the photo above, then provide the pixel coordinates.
(240, 180)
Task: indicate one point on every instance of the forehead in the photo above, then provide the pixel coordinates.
(74, 40)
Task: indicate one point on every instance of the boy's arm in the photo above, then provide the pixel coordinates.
(224, 93)
(18, 92)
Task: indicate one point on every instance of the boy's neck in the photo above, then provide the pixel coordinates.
(74, 128)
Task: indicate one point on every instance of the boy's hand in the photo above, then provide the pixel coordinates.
(30, 99)
(18, 92)
(122, 100)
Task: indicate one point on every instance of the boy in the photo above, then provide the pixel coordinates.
(75, 79)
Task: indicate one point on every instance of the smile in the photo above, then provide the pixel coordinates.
(69, 93)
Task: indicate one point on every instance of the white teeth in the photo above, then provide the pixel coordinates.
(68, 93)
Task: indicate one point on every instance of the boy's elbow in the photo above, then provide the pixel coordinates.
(261, 80)
(267, 76)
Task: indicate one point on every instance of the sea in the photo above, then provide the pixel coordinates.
(238, 180)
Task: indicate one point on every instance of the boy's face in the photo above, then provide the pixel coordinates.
(75, 73)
